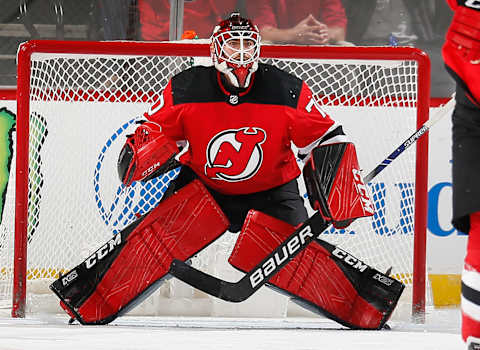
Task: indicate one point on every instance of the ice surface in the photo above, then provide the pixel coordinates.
(47, 332)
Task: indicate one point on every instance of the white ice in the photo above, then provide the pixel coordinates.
(41, 332)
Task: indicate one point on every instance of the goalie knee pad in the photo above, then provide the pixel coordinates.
(322, 278)
(134, 262)
(334, 184)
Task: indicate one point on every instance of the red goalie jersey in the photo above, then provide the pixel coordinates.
(242, 146)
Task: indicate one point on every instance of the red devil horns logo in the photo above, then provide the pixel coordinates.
(235, 155)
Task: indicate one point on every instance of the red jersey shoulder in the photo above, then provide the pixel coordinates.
(309, 103)
(162, 101)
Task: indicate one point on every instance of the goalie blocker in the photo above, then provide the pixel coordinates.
(133, 264)
(334, 185)
(322, 278)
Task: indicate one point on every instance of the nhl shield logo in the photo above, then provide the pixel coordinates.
(235, 155)
(233, 99)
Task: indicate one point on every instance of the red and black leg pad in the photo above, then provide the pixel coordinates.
(130, 266)
(322, 278)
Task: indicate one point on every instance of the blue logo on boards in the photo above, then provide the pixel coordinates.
(434, 204)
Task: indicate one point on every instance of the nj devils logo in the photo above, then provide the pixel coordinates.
(235, 155)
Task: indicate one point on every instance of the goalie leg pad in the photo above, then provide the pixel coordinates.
(132, 264)
(322, 278)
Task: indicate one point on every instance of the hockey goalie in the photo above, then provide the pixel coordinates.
(235, 122)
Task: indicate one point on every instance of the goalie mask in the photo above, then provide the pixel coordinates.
(235, 49)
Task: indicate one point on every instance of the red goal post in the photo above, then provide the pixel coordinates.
(371, 91)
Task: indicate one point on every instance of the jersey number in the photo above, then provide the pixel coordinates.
(312, 103)
(156, 106)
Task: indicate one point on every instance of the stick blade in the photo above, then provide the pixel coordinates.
(229, 291)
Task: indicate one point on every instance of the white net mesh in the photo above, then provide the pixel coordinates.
(83, 105)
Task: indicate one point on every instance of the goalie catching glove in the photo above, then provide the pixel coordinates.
(147, 153)
(334, 184)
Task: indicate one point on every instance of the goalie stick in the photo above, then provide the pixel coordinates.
(294, 244)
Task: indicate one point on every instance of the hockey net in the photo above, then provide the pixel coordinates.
(78, 100)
